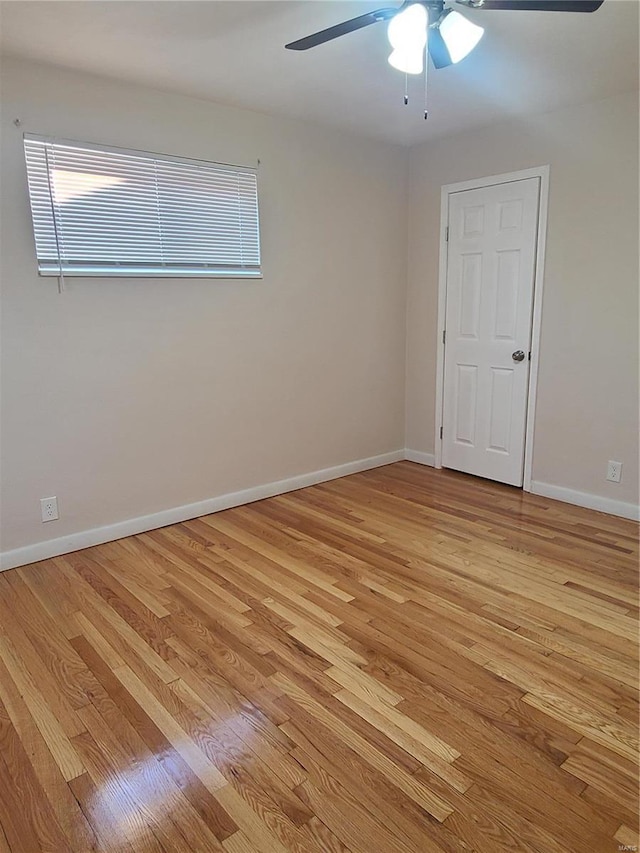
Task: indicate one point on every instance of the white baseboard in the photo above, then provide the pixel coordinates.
(98, 535)
(420, 457)
(570, 496)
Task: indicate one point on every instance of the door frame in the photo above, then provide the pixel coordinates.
(447, 190)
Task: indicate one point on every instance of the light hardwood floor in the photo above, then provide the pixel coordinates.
(401, 660)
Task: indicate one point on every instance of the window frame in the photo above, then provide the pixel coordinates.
(48, 269)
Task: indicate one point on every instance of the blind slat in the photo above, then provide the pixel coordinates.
(113, 212)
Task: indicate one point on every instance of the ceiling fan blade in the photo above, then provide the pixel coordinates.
(341, 29)
(540, 5)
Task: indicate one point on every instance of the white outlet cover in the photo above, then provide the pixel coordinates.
(614, 471)
(49, 508)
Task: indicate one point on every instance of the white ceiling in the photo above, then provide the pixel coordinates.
(233, 52)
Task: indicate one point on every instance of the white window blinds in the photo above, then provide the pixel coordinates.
(113, 212)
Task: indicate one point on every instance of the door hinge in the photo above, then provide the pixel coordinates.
(444, 336)
(440, 433)
(446, 234)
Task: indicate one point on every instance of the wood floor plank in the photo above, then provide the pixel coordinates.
(34, 802)
(341, 811)
(428, 757)
(627, 837)
(401, 661)
(44, 715)
(19, 826)
(332, 761)
(52, 781)
(174, 766)
(116, 794)
(144, 783)
(109, 828)
(26, 665)
(238, 843)
(4, 844)
(604, 774)
(429, 801)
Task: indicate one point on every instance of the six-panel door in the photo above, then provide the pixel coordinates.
(490, 278)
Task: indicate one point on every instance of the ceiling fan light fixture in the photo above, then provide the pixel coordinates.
(457, 37)
(407, 34)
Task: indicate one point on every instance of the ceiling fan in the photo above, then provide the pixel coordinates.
(447, 36)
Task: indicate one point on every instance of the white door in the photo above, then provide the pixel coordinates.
(490, 276)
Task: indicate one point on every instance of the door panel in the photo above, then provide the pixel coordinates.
(466, 397)
(506, 307)
(471, 283)
(490, 276)
(500, 406)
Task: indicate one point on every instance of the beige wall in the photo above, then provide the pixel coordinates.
(127, 397)
(587, 403)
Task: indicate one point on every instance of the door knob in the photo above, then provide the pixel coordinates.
(518, 355)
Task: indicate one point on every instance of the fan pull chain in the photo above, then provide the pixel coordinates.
(426, 75)
(406, 89)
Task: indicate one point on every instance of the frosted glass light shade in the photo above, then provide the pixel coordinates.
(459, 35)
(408, 37)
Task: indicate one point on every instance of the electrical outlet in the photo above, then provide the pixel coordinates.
(614, 471)
(49, 508)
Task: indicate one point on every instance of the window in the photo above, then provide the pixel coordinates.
(112, 212)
